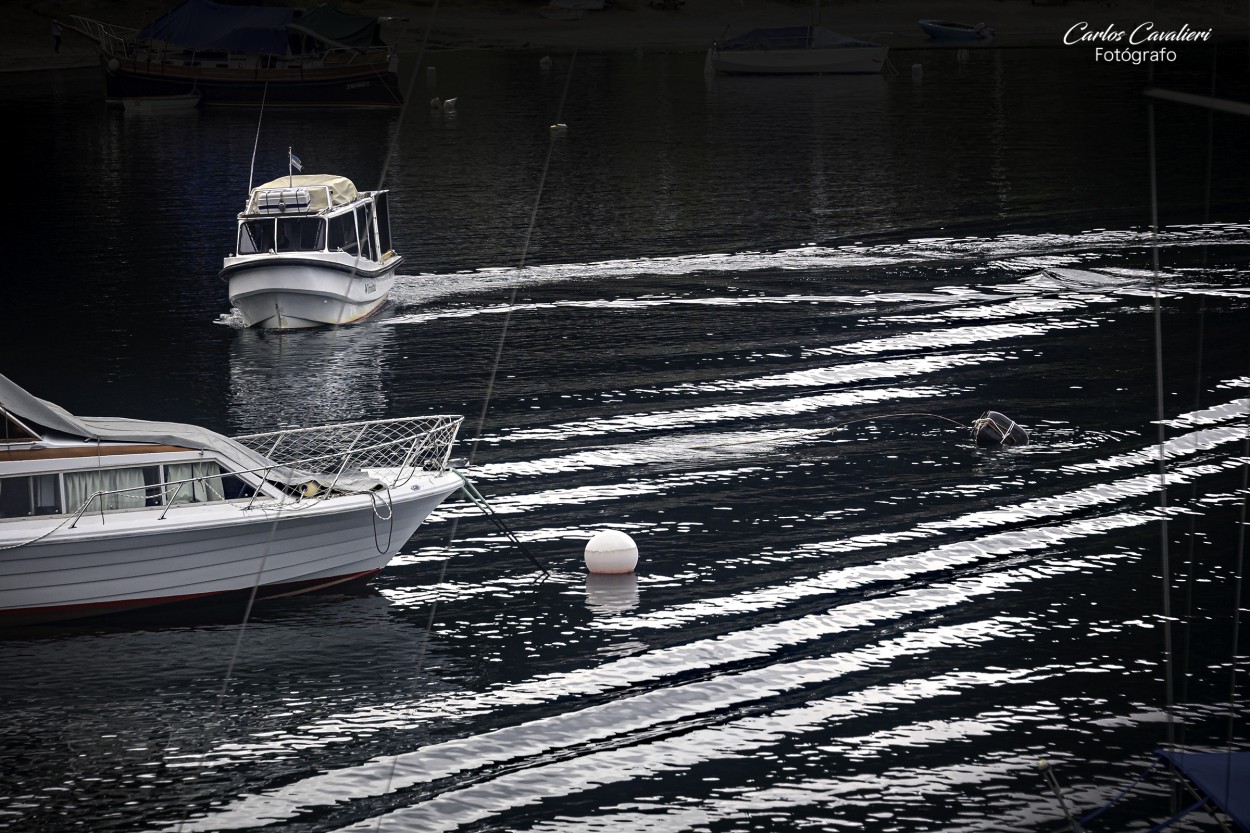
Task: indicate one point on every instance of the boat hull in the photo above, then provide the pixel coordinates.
(277, 292)
(131, 560)
(365, 85)
(947, 31)
(859, 60)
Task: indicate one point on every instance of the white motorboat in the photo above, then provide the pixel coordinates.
(809, 50)
(311, 250)
(101, 515)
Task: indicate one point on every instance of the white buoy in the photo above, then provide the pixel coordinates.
(431, 77)
(962, 55)
(611, 552)
(917, 71)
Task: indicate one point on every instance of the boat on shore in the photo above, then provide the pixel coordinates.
(105, 515)
(234, 55)
(948, 30)
(310, 250)
(811, 50)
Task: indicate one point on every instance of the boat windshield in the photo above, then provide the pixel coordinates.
(282, 234)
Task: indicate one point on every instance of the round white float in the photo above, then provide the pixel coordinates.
(611, 552)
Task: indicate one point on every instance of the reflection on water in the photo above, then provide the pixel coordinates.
(309, 377)
(755, 315)
(611, 594)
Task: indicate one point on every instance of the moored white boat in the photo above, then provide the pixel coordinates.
(949, 30)
(796, 50)
(101, 515)
(311, 250)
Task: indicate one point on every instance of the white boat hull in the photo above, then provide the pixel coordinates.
(841, 60)
(282, 292)
(127, 560)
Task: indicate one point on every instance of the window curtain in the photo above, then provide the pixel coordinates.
(203, 482)
(81, 485)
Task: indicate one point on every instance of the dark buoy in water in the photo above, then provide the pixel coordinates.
(992, 428)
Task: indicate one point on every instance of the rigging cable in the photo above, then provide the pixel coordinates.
(442, 574)
(1163, 469)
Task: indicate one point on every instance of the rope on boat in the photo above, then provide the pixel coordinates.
(389, 503)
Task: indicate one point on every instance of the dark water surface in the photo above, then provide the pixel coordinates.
(753, 317)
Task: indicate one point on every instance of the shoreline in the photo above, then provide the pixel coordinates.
(633, 26)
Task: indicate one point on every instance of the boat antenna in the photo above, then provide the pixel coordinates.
(252, 171)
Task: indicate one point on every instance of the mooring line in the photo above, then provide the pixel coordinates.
(442, 574)
(503, 334)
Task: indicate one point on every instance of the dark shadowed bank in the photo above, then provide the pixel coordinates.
(26, 41)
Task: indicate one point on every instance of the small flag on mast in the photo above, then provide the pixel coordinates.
(295, 161)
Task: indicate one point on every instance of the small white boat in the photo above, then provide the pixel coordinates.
(102, 515)
(810, 50)
(949, 30)
(311, 250)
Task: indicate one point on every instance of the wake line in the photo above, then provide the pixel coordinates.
(649, 709)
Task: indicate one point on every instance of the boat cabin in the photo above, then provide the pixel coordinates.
(315, 213)
(45, 472)
(63, 479)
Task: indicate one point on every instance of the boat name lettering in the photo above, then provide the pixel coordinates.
(357, 85)
(371, 288)
(1080, 32)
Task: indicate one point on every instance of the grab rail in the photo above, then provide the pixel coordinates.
(404, 445)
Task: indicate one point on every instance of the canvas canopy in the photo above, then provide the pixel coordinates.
(323, 191)
(203, 24)
(40, 414)
(315, 193)
(258, 30)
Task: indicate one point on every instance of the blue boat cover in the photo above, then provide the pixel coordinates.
(1221, 776)
(203, 24)
(791, 37)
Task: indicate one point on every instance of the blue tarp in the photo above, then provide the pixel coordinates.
(1223, 777)
(202, 24)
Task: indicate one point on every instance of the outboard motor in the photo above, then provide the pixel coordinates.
(992, 428)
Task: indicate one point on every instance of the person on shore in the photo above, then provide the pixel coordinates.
(56, 37)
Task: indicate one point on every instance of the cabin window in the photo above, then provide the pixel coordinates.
(121, 488)
(301, 234)
(28, 495)
(200, 482)
(364, 222)
(256, 236)
(343, 233)
(384, 225)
